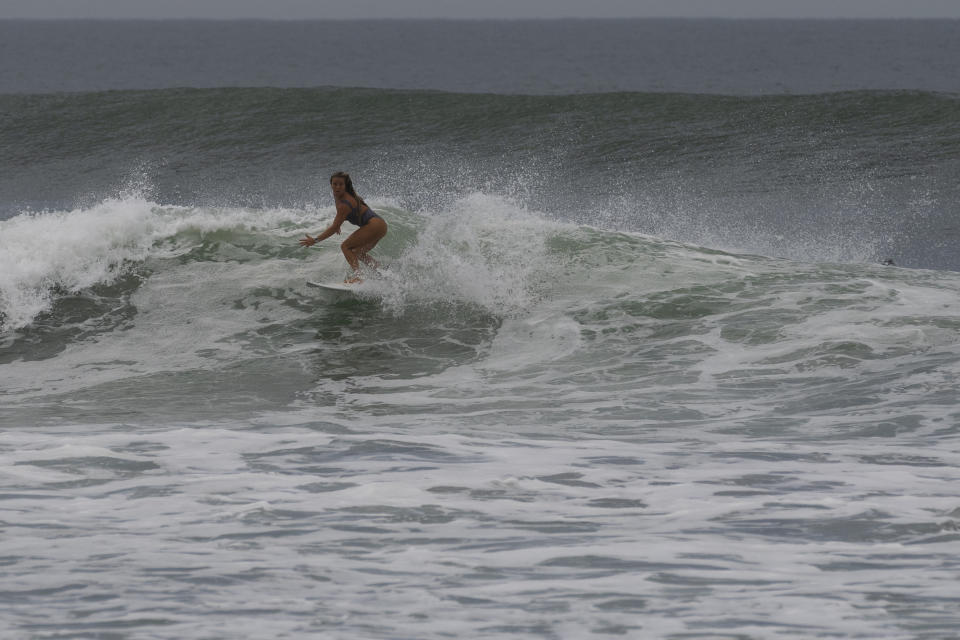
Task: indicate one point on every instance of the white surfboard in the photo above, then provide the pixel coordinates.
(337, 286)
(349, 287)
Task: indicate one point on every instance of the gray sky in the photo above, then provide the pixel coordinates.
(345, 9)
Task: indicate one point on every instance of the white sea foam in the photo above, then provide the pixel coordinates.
(649, 440)
(71, 249)
(409, 533)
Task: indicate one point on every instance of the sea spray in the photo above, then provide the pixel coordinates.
(482, 250)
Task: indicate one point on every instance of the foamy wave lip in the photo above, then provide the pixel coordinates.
(68, 249)
(71, 250)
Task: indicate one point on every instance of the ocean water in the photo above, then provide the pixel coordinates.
(639, 364)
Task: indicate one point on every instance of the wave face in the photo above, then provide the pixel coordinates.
(859, 176)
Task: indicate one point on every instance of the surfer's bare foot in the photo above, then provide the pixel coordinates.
(353, 280)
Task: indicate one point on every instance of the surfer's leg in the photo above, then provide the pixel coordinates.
(356, 247)
(367, 260)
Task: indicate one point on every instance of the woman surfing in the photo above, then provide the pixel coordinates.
(351, 208)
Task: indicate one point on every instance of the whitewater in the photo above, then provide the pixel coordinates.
(547, 430)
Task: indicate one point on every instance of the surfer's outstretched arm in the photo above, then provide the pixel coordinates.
(334, 227)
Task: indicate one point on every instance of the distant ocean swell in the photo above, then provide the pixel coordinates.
(295, 121)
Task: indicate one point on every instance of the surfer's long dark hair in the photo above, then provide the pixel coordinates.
(348, 183)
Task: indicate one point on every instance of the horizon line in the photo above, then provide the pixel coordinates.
(467, 19)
